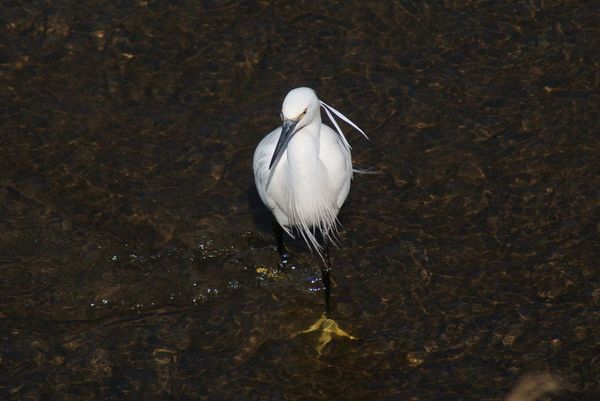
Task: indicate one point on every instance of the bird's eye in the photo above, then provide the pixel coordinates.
(303, 113)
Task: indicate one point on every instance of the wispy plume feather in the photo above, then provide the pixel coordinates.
(328, 109)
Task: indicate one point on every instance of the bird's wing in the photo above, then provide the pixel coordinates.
(338, 161)
(262, 158)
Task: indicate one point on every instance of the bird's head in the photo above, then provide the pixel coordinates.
(300, 107)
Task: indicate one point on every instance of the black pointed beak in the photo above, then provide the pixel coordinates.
(287, 130)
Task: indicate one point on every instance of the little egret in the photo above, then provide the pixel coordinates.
(302, 172)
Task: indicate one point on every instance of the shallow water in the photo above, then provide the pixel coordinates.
(131, 233)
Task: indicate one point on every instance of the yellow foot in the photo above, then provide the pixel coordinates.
(329, 329)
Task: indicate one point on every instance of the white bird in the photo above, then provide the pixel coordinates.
(302, 172)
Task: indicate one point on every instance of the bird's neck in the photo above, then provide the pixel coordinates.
(303, 148)
(305, 173)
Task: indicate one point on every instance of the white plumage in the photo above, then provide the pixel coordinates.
(303, 169)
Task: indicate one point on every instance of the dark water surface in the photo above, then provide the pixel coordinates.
(131, 234)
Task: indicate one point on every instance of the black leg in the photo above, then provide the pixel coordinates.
(283, 254)
(325, 271)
